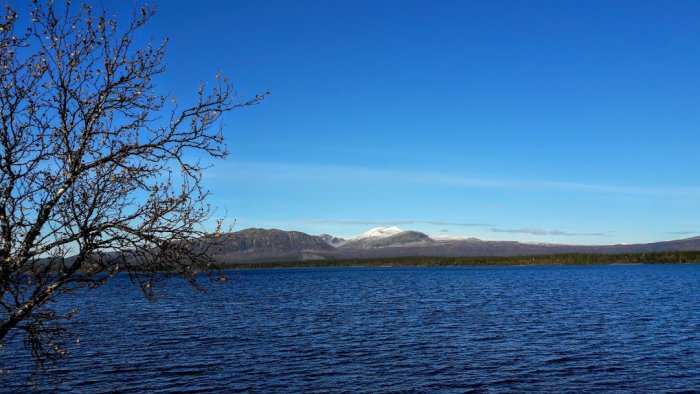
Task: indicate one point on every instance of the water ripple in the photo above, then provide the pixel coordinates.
(562, 329)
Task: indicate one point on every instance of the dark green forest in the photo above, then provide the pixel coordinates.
(554, 259)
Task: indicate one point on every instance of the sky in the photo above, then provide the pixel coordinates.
(538, 121)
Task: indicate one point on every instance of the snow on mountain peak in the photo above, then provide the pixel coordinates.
(380, 232)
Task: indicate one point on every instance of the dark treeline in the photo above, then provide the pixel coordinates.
(554, 259)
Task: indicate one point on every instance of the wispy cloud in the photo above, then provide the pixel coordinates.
(684, 232)
(296, 172)
(394, 223)
(539, 231)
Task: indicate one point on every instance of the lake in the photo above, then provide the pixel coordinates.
(623, 328)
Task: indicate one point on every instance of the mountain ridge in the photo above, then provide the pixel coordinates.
(257, 245)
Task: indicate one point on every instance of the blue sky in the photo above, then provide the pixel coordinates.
(542, 121)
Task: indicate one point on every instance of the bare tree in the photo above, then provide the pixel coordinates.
(94, 171)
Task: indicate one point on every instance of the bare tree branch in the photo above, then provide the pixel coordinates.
(95, 169)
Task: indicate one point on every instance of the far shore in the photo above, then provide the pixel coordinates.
(572, 259)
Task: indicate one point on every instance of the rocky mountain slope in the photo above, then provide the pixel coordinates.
(331, 240)
(257, 245)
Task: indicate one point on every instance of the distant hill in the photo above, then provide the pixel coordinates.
(257, 245)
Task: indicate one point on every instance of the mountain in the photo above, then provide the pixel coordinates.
(379, 232)
(388, 239)
(476, 247)
(262, 245)
(331, 240)
(257, 244)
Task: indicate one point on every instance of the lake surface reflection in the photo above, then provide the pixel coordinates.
(624, 328)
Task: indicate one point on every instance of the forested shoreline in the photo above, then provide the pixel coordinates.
(544, 260)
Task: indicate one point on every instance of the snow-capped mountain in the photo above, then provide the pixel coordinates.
(379, 232)
(383, 237)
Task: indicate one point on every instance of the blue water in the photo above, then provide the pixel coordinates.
(621, 328)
